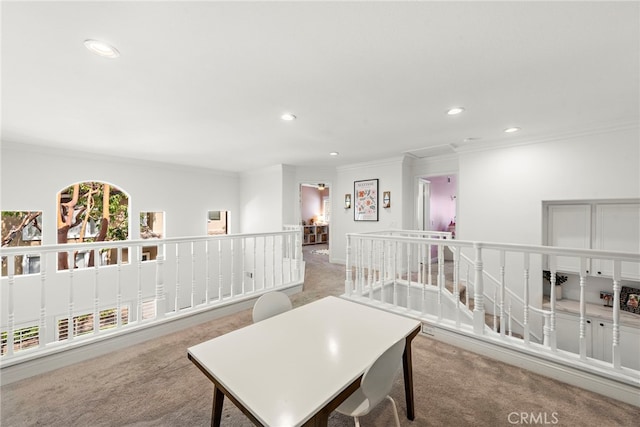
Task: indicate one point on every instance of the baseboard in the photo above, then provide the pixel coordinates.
(42, 361)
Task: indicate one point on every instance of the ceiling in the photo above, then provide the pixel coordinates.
(205, 83)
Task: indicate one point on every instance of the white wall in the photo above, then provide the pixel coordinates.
(262, 200)
(391, 176)
(501, 191)
(32, 176)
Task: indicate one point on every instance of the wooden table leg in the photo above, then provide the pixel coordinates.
(407, 366)
(216, 410)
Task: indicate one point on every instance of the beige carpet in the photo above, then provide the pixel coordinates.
(154, 384)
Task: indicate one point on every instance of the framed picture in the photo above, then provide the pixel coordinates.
(630, 299)
(366, 200)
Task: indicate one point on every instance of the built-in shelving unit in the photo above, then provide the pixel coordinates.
(314, 234)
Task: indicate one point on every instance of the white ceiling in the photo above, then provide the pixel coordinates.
(204, 83)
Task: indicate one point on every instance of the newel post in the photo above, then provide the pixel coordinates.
(478, 292)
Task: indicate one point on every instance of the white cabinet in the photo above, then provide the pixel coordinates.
(315, 234)
(618, 229)
(569, 226)
(611, 226)
(598, 337)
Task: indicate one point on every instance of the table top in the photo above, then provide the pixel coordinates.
(286, 368)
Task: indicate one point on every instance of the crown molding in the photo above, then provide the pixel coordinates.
(542, 139)
(85, 155)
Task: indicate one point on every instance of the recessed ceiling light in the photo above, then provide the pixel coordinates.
(511, 130)
(472, 138)
(455, 110)
(333, 153)
(102, 49)
(288, 117)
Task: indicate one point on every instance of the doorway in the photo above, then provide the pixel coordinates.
(437, 204)
(315, 218)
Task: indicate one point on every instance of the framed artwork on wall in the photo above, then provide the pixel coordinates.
(630, 299)
(366, 200)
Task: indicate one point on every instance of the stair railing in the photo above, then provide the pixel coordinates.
(387, 269)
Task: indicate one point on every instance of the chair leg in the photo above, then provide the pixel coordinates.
(357, 421)
(395, 410)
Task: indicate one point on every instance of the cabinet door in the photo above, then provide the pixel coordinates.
(569, 226)
(602, 340)
(617, 229)
(629, 347)
(568, 333)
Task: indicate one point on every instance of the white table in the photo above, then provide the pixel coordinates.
(295, 368)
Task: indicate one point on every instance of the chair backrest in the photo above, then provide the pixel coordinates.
(378, 379)
(270, 304)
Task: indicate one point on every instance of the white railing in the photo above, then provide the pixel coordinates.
(495, 292)
(135, 283)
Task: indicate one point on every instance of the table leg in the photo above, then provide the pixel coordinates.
(216, 410)
(407, 366)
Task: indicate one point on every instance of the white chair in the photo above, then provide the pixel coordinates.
(270, 304)
(376, 384)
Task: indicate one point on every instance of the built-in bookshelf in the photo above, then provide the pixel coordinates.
(314, 234)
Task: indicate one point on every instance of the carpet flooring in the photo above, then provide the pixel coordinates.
(154, 384)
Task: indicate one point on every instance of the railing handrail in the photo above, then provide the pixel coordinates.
(511, 247)
(65, 247)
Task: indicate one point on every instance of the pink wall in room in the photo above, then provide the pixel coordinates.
(443, 207)
(311, 199)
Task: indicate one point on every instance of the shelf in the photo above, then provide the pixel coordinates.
(595, 310)
(314, 234)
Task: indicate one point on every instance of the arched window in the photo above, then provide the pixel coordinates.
(92, 212)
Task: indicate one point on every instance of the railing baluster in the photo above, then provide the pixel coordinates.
(526, 299)
(138, 252)
(273, 261)
(11, 266)
(430, 279)
(70, 325)
(253, 264)
(348, 280)
(42, 330)
(193, 275)
(220, 273)
(502, 292)
(233, 269)
(423, 269)
(161, 302)
(264, 262)
(176, 304)
(408, 274)
(243, 269)
(440, 280)
(207, 271)
(552, 299)
(360, 272)
(371, 273)
(119, 289)
(96, 295)
(478, 292)
(583, 309)
(395, 268)
(456, 284)
(615, 346)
